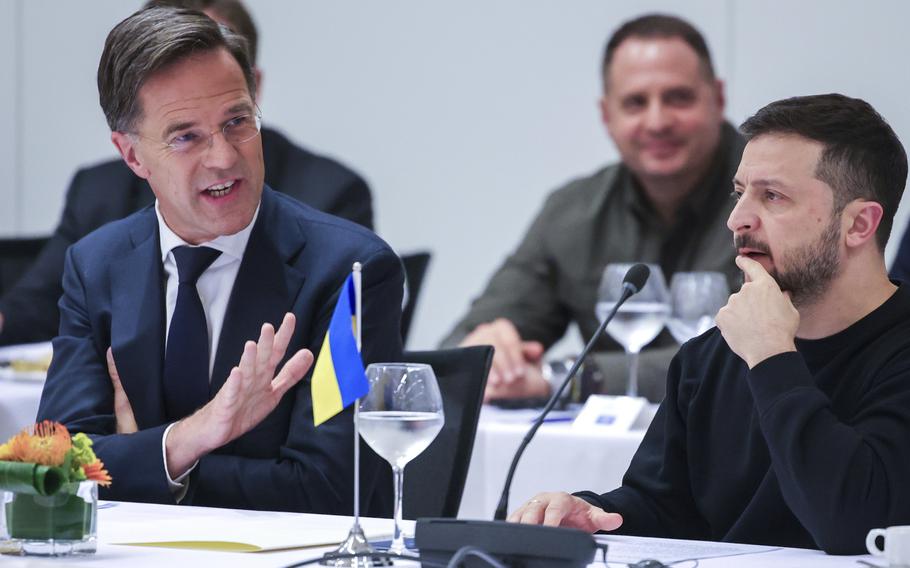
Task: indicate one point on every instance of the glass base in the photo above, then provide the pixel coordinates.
(56, 525)
(355, 543)
(50, 547)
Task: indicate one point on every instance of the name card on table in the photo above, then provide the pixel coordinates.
(614, 413)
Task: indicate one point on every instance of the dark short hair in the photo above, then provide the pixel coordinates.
(659, 26)
(862, 156)
(233, 12)
(149, 41)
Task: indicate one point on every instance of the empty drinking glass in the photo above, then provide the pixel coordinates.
(695, 299)
(640, 319)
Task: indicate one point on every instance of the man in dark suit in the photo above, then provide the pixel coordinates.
(109, 191)
(203, 419)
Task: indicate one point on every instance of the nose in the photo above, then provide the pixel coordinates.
(220, 154)
(658, 117)
(743, 217)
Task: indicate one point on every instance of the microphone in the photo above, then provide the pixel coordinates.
(517, 545)
(632, 283)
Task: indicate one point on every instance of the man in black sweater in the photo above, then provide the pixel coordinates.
(788, 423)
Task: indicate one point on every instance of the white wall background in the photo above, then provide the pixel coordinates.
(461, 115)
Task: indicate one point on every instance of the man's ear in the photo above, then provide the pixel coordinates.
(126, 145)
(861, 219)
(604, 110)
(257, 73)
(720, 95)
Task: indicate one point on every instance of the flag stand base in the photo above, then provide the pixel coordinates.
(355, 543)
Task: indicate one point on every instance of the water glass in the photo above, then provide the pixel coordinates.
(640, 319)
(696, 297)
(399, 418)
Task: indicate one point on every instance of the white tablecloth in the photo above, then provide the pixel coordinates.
(18, 405)
(559, 458)
(20, 391)
(134, 522)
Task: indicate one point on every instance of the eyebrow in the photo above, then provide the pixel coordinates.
(240, 107)
(243, 107)
(176, 127)
(761, 182)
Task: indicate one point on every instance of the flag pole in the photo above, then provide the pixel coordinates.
(359, 335)
(356, 542)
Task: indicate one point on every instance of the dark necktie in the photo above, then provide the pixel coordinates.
(186, 358)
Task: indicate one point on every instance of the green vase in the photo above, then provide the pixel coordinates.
(53, 525)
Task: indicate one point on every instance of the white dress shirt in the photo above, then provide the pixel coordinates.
(214, 287)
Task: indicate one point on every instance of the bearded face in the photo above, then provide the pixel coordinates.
(806, 270)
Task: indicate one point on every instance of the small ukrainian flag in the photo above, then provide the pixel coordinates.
(339, 378)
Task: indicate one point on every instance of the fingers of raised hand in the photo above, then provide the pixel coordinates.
(264, 347)
(248, 361)
(283, 338)
(292, 371)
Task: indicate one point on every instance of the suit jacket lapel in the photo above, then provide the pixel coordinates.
(137, 321)
(266, 286)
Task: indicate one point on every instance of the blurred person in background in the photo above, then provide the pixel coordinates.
(665, 202)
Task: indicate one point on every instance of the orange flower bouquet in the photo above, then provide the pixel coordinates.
(48, 490)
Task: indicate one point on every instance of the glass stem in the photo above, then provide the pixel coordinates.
(632, 386)
(397, 546)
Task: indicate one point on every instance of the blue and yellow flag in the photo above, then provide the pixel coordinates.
(339, 378)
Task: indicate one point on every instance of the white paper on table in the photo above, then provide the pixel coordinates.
(629, 549)
(26, 353)
(614, 413)
(211, 532)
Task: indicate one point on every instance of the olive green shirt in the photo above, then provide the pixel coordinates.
(552, 277)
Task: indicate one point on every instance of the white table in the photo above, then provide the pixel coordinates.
(137, 522)
(18, 405)
(559, 458)
(20, 392)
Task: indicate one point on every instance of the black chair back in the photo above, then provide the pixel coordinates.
(16, 255)
(434, 481)
(415, 268)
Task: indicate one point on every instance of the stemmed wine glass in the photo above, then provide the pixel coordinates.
(640, 319)
(399, 418)
(695, 297)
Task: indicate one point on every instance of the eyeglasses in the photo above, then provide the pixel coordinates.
(240, 129)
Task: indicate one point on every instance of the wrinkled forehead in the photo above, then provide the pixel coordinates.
(201, 87)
